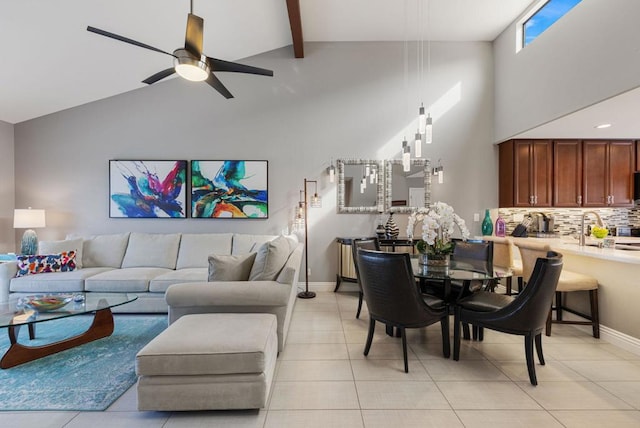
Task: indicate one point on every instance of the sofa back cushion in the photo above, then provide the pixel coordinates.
(270, 259)
(56, 247)
(245, 243)
(152, 250)
(104, 250)
(196, 247)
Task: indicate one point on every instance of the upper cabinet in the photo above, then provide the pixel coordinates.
(608, 173)
(566, 173)
(525, 173)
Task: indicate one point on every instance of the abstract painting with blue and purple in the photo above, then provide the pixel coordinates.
(229, 189)
(147, 189)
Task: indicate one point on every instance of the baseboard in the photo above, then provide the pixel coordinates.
(329, 286)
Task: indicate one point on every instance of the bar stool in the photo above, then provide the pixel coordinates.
(503, 259)
(569, 282)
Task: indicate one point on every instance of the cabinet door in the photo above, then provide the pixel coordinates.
(522, 173)
(621, 168)
(567, 173)
(505, 174)
(594, 178)
(541, 179)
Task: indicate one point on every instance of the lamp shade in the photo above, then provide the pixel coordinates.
(28, 219)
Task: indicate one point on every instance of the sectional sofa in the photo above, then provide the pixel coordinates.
(147, 264)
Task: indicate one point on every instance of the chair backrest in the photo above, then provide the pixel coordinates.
(477, 254)
(530, 308)
(530, 252)
(390, 289)
(503, 252)
(362, 243)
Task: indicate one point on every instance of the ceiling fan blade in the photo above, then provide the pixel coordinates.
(193, 38)
(125, 39)
(218, 86)
(234, 67)
(159, 76)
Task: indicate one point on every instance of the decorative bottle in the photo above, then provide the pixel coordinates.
(487, 224)
(501, 226)
(391, 228)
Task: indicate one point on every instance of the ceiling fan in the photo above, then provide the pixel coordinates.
(189, 62)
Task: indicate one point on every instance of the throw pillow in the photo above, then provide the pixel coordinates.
(57, 247)
(270, 260)
(224, 267)
(46, 263)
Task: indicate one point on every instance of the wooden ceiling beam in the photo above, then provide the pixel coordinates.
(293, 7)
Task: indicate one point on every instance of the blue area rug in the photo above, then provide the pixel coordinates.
(88, 377)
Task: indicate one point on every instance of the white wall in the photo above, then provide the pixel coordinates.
(589, 55)
(344, 100)
(7, 239)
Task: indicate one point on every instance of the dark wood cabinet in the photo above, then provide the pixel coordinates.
(532, 171)
(608, 168)
(567, 173)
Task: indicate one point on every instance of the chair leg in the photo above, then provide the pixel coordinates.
(549, 322)
(595, 317)
(372, 328)
(528, 350)
(446, 346)
(539, 348)
(403, 334)
(456, 334)
(509, 283)
(360, 297)
(465, 331)
(559, 305)
(480, 334)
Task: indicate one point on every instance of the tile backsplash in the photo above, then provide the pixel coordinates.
(567, 220)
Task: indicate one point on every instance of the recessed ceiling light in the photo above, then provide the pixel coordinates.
(603, 126)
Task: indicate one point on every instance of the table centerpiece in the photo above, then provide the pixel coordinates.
(438, 226)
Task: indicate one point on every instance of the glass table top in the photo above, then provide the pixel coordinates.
(456, 271)
(20, 310)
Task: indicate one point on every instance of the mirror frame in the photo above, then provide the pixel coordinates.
(388, 181)
(379, 207)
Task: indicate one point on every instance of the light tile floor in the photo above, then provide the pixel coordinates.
(323, 380)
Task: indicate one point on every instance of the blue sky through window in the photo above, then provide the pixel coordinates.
(545, 17)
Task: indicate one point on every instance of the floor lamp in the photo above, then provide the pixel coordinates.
(302, 206)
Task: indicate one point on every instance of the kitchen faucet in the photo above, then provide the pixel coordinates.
(584, 215)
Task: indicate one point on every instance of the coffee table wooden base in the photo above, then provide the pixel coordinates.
(17, 354)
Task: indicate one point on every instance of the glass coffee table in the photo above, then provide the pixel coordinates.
(38, 308)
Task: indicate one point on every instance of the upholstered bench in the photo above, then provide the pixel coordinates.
(209, 362)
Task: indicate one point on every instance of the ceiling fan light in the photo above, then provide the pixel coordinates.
(190, 68)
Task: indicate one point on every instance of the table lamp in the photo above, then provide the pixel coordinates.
(28, 219)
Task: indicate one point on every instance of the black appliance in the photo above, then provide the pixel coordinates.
(625, 231)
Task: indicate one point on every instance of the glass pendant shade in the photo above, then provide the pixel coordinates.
(316, 201)
(428, 134)
(417, 147)
(422, 120)
(332, 173)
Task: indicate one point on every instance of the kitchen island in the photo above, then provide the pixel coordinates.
(618, 275)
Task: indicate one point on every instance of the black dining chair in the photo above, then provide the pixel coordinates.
(367, 244)
(393, 298)
(473, 254)
(525, 314)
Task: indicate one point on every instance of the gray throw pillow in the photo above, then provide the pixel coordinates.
(224, 267)
(270, 260)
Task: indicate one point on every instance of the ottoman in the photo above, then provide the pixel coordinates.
(209, 362)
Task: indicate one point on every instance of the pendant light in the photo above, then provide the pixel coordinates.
(417, 147)
(425, 123)
(406, 156)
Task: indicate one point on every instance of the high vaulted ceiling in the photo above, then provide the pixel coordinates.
(51, 63)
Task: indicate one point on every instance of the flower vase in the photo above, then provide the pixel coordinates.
(437, 263)
(391, 228)
(487, 224)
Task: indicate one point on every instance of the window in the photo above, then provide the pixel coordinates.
(544, 17)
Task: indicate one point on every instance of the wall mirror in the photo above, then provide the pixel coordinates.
(406, 191)
(354, 197)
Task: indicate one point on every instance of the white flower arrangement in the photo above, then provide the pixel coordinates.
(438, 226)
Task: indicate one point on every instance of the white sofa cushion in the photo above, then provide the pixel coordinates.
(125, 280)
(270, 259)
(152, 250)
(57, 247)
(162, 282)
(196, 247)
(243, 244)
(54, 281)
(223, 267)
(104, 250)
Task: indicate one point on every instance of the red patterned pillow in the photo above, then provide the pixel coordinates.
(44, 263)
